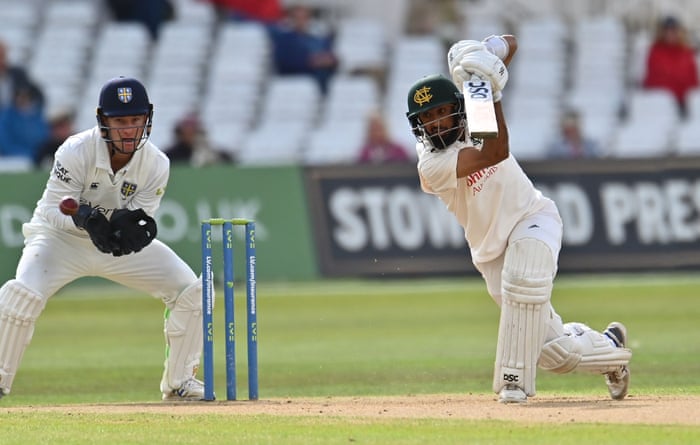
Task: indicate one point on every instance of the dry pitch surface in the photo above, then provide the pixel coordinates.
(650, 410)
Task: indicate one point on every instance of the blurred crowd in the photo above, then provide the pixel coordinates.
(302, 39)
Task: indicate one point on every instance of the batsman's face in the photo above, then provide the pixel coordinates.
(126, 131)
(438, 120)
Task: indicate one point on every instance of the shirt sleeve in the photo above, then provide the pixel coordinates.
(65, 179)
(438, 170)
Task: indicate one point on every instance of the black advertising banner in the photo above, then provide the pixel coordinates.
(625, 215)
(619, 215)
(376, 221)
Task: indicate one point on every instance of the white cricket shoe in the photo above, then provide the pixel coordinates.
(618, 381)
(191, 389)
(512, 394)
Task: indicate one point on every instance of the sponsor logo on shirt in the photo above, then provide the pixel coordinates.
(477, 179)
(61, 173)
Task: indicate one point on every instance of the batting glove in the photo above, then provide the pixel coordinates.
(461, 49)
(487, 66)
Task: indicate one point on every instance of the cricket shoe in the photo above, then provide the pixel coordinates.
(512, 394)
(190, 390)
(618, 381)
(2, 393)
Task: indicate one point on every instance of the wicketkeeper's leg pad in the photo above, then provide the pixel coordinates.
(582, 348)
(19, 309)
(183, 337)
(528, 274)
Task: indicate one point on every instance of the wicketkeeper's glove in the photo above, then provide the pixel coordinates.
(96, 225)
(132, 229)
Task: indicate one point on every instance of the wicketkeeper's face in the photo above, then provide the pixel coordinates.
(126, 132)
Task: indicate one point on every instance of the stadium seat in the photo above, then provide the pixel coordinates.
(655, 108)
(273, 143)
(692, 103)
(530, 138)
(18, 22)
(638, 139)
(58, 63)
(361, 45)
(336, 143)
(350, 98)
(686, 139)
(72, 13)
(291, 98)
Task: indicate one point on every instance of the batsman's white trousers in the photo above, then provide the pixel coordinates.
(545, 226)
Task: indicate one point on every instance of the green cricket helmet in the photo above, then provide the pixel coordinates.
(431, 92)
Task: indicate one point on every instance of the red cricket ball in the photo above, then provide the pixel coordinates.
(68, 206)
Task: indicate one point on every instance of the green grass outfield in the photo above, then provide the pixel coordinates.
(98, 347)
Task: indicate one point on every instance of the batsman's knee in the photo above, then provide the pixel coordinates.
(528, 271)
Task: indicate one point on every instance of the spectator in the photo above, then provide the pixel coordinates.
(23, 127)
(14, 78)
(379, 148)
(443, 18)
(152, 13)
(571, 143)
(299, 50)
(61, 126)
(191, 144)
(671, 63)
(264, 11)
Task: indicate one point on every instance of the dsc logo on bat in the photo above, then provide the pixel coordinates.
(479, 90)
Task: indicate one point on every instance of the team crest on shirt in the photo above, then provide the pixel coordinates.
(128, 189)
(124, 94)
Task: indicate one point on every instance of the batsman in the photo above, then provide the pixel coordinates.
(95, 218)
(514, 233)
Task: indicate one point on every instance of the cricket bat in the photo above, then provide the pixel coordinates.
(478, 94)
(478, 106)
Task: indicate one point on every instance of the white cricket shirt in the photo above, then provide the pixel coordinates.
(82, 170)
(488, 204)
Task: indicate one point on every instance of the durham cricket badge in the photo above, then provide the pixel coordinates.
(128, 189)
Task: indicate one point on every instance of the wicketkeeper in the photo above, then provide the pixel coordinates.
(118, 177)
(514, 232)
